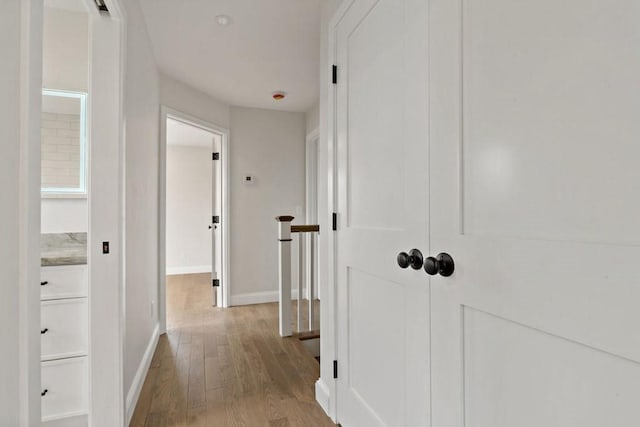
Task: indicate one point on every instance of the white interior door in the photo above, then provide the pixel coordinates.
(382, 204)
(534, 167)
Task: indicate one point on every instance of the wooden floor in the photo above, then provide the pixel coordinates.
(226, 367)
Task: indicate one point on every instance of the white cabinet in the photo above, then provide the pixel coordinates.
(64, 282)
(64, 388)
(64, 328)
(64, 335)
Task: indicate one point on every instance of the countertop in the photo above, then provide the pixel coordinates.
(63, 249)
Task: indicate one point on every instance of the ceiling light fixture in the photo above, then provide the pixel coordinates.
(223, 20)
(279, 95)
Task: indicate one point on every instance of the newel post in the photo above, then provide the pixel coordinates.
(284, 255)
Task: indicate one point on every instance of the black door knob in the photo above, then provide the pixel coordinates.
(412, 259)
(442, 265)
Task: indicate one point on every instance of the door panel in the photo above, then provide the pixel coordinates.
(533, 134)
(501, 356)
(369, 296)
(537, 106)
(382, 190)
(375, 88)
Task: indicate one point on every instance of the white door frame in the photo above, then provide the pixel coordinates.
(107, 53)
(225, 288)
(311, 202)
(311, 171)
(326, 387)
(106, 219)
(24, 406)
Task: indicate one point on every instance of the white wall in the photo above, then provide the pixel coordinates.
(179, 96)
(141, 108)
(313, 118)
(66, 50)
(189, 209)
(270, 145)
(65, 67)
(20, 82)
(9, 211)
(64, 215)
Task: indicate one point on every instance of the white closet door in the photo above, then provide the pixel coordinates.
(535, 143)
(383, 194)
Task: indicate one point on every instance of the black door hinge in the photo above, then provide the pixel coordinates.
(102, 7)
(215, 219)
(335, 369)
(334, 74)
(216, 156)
(334, 224)
(215, 283)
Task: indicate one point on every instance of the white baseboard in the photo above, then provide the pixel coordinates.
(322, 396)
(171, 271)
(259, 297)
(141, 374)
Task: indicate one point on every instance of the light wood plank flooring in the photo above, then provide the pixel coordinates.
(226, 367)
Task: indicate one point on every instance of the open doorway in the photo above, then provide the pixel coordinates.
(193, 219)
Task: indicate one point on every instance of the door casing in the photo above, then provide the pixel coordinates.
(224, 294)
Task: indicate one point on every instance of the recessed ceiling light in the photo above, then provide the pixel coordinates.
(223, 20)
(279, 95)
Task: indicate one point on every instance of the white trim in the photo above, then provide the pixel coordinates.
(330, 328)
(323, 397)
(64, 416)
(28, 186)
(224, 293)
(107, 56)
(64, 196)
(259, 297)
(311, 176)
(138, 380)
(312, 145)
(173, 271)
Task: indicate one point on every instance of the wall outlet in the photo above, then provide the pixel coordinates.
(152, 308)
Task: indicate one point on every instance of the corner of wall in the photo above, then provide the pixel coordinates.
(141, 373)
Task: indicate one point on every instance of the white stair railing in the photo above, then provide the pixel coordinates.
(307, 245)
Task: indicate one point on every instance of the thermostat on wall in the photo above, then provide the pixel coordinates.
(248, 179)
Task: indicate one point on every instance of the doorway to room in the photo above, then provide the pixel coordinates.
(193, 220)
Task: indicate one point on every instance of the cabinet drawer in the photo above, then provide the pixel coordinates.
(64, 282)
(64, 328)
(65, 388)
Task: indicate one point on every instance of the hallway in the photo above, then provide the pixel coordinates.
(226, 367)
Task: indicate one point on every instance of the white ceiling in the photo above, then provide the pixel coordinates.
(270, 45)
(179, 133)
